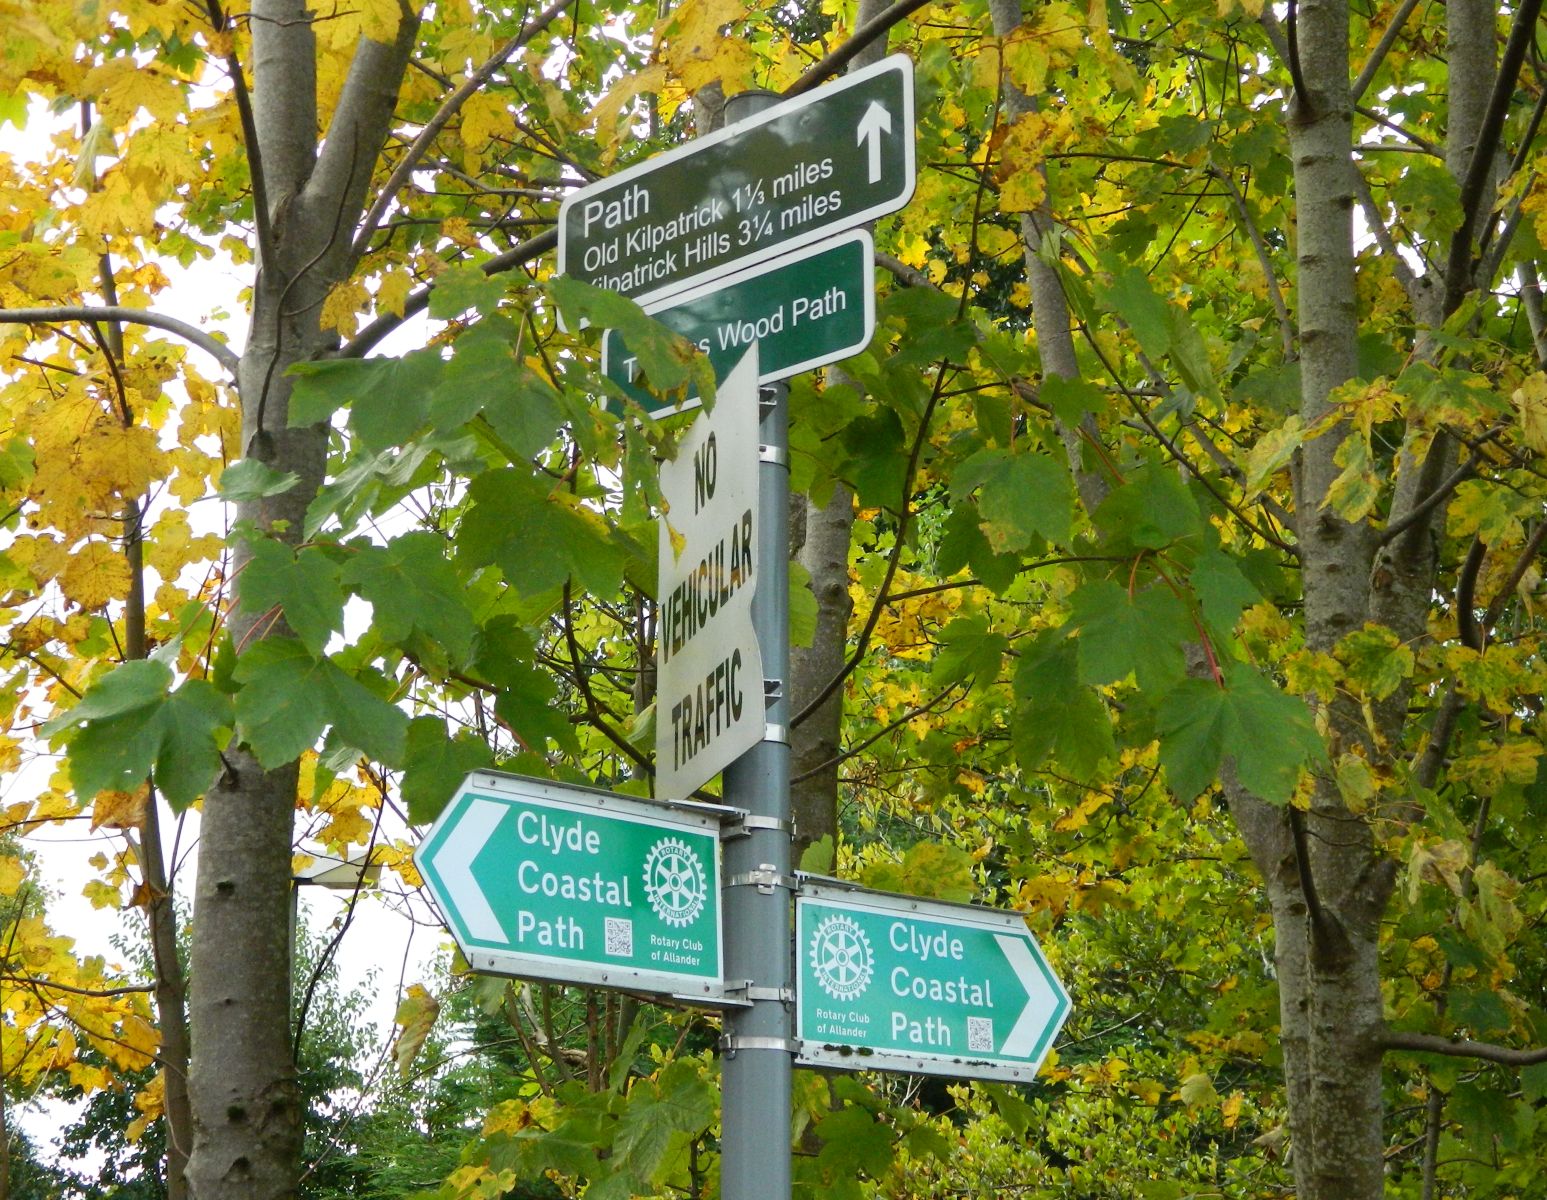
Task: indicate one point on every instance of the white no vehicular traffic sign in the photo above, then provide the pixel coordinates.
(709, 698)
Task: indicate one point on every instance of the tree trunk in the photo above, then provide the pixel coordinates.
(823, 549)
(816, 741)
(246, 1102)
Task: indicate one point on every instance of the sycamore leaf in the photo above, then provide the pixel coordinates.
(434, 765)
(670, 362)
(253, 479)
(303, 584)
(1151, 509)
(1122, 633)
(803, 606)
(412, 588)
(130, 727)
(1024, 495)
(967, 648)
(537, 537)
(1268, 734)
(1056, 716)
(288, 697)
(416, 1016)
(1131, 297)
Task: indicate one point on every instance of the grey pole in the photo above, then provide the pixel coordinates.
(758, 1049)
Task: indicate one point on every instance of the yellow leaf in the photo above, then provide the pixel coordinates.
(1230, 1110)
(1531, 406)
(416, 1014)
(12, 873)
(392, 293)
(120, 810)
(95, 574)
(341, 310)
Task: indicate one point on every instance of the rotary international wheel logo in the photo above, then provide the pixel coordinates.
(674, 881)
(841, 958)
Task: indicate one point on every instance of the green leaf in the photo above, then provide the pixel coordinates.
(388, 398)
(1056, 716)
(485, 376)
(968, 648)
(413, 589)
(1223, 592)
(1130, 296)
(288, 697)
(803, 606)
(1375, 660)
(1150, 510)
(127, 688)
(853, 1141)
(526, 705)
(253, 479)
(1024, 495)
(462, 286)
(304, 585)
(1121, 634)
(676, 1106)
(1268, 734)
(668, 361)
(434, 765)
(1071, 399)
(130, 728)
(536, 537)
(963, 544)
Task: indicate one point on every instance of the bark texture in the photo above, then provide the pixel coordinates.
(820, 536)
(246, 1102)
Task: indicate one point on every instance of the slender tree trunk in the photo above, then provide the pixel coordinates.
(823, 549)
(816, 742)
(246, 1102)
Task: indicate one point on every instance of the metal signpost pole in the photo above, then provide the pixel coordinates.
(759, 1048)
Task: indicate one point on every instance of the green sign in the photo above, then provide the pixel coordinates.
(814, 307)
(788, 176)
(888, 982)
(547, 881)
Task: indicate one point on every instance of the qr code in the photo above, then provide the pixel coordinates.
(980, 1034)
(618, 933)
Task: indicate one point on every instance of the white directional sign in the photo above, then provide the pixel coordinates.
(793, 174)
(898, 983)
(709, 670)
(545, 880)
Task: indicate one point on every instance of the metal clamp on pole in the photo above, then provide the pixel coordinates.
(730, 1044)
(765, 879)
(745, 989)
(778, 734)
(744, 823)
(778, 455)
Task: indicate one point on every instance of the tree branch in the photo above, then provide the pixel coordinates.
(1459, 1047)
(1458, 268)
(1382, 48)
(827, 67)
(448, 109)
(55, 314)
(368, 338)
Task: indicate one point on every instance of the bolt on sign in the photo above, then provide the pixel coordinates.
(899, 983)
(543, 880)
(709, 668)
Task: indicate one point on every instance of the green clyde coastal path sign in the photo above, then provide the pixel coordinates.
(792, 174)
(542, 880)
(804, 310)
(889, 982)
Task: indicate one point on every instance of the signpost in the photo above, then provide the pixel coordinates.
(709, 667)
(549, 881)
(890, 982)
(542, 880)
(814, 307)
(787, 176)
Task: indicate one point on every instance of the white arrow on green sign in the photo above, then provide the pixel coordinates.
(805, 310)
(543, 880)
(898, 983)
(791, 175)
